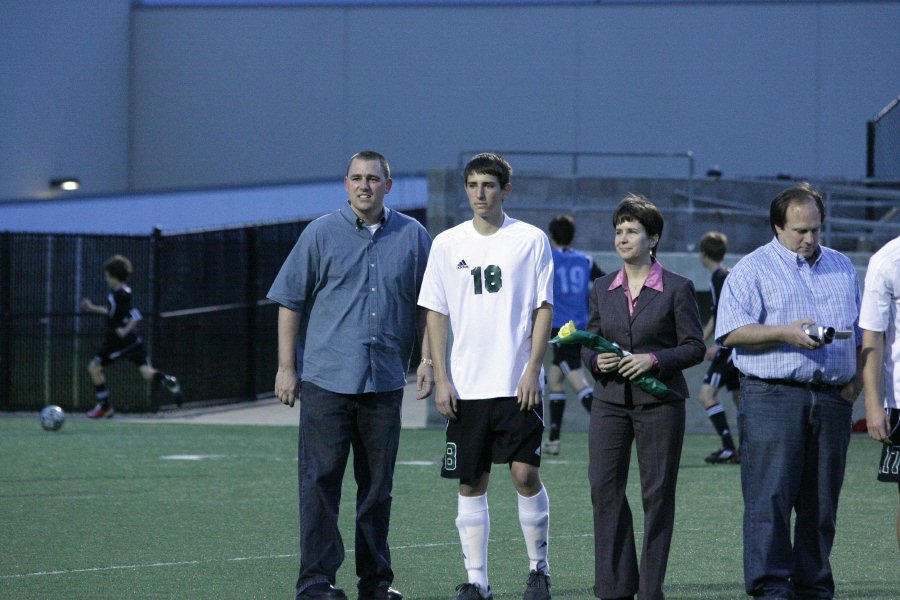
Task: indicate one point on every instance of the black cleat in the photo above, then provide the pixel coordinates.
(724, 457)
(538, 586)
(174, 388)
(470, 591)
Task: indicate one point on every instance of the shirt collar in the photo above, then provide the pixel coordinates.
(793, 257)
(654, 279)
(347, 212)
(507, 221)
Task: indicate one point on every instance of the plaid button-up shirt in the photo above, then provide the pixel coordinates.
(774, 286)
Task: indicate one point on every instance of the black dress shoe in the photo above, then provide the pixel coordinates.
(322, 591)
(384, 594)
(393, 594)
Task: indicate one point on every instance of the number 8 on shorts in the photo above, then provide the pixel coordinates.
(450, 457)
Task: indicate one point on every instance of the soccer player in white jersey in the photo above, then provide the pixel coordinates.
(490, 280)
(879, 318)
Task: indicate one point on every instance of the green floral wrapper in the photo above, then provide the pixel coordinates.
(568, 334)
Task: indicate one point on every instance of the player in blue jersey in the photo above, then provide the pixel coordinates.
(573, 273)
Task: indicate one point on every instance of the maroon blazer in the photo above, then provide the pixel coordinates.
(665, 323)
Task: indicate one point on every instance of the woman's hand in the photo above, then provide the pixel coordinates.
(634, 365)
(607, 362)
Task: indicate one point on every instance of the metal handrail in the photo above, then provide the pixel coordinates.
(875, 198)
(860, 192)
(739, 207)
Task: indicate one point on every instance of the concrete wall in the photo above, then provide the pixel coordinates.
(134, 98)
(229, 95)
(63, 95)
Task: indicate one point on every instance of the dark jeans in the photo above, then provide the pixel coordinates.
(793, 452)
(330, 424)
(658, 432)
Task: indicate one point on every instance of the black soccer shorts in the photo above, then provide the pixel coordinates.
(491, 431)
(722, 372)
(566, 356)
(114, 348)
(889, 465)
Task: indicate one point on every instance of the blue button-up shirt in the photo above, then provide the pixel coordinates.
(356, 294)
(774, 286)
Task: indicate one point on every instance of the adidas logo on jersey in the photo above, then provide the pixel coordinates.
(462, 265)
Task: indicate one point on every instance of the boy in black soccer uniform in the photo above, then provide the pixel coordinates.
(722, 372)
(121, 339)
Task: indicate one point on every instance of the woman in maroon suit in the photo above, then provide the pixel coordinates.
(650, 313)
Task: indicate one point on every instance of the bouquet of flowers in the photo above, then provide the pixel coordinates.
(568, 334)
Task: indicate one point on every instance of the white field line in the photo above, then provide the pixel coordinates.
(226, 560)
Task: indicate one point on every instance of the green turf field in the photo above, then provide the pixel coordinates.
(144, 510)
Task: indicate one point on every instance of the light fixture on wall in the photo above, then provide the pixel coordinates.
(65, 184)
(714, 172)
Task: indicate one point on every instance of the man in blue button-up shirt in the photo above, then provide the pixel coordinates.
(796, 396)
(347, 325)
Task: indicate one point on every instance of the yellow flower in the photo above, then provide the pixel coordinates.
(567, 329)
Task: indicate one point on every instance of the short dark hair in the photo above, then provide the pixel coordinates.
(802, 192)
(562, 229)
(635, 207)
(118, 266)
(714, 244)
(371, 155)
(489, 163)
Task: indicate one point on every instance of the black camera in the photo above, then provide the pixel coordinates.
(820, 333)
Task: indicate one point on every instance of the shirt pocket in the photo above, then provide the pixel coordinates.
(339, 275)
(835, 298)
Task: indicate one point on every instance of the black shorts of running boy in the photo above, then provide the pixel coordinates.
(722, 372)
(115, 347)
(889, 466)
(491, 431)
(566, 356)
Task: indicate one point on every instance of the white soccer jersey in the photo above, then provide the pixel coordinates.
(880, 311)
(489, 286)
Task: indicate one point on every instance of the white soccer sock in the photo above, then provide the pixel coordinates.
(534, 517)
(474, 525)
(715, 409)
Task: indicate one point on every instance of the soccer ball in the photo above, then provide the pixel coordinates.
(52, 417)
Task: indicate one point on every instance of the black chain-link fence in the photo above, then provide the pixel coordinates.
(45, 340)
(202, 294)
(884, 144)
